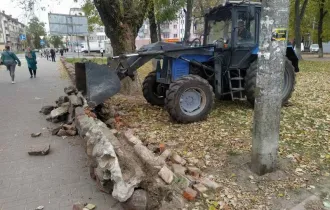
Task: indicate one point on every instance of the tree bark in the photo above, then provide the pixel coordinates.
(188, 21)
(122, 21)
(299, 14)
(267, 108)
(152, 22)
(322, 14)
(89, 49)
(159, 30)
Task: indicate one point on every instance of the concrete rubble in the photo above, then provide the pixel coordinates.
(121, 163)
(39, 149)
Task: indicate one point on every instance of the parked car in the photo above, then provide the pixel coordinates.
(314, 48)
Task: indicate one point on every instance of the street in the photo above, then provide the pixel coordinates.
(55, 181)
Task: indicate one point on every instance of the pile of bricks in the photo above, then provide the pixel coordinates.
(173, 169)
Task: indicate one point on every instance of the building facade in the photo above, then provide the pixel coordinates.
(10, 31)
(170, 32)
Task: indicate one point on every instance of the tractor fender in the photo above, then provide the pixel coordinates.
(290, 54)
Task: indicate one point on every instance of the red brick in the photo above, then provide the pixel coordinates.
(162, 148)
(78, 206)
(193, 171)
(189, 194)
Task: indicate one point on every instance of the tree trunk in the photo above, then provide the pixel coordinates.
(320, 27)
(159, 32)
(297, 29)
(299, 14)
(270, 75)
(89, 49)
(122, 21)
(152, 22)
(188, 21)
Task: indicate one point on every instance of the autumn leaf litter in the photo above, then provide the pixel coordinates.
(221, 145)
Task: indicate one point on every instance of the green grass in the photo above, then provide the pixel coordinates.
(95, 60)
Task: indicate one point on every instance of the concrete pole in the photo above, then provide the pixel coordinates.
(267, 109)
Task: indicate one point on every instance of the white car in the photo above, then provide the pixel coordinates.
(314, 48)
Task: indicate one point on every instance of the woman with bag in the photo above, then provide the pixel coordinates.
(31, 59)
(10, 60)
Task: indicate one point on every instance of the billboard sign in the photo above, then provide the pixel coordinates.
(66, 25)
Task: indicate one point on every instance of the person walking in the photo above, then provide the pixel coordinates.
(31, 59)
(47, 54)
(61, 51)
(53, 54)
(10, 60)
(101, 51)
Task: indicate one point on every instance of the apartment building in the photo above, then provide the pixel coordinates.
(170, 32)
(10, 30)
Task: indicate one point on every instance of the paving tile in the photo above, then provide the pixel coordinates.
(57, 180)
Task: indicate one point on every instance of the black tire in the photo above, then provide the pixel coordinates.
(149, 89)
(289, 81)
(173, 104)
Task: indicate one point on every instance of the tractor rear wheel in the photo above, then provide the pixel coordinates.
(153, 91)
(189, 99)
(288, 85)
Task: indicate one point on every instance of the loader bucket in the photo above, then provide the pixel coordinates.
(97, 82)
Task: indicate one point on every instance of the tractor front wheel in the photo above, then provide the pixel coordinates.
(153, 91)
(189, 99)
(288, 83)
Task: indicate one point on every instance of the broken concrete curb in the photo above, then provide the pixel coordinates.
(100, 149)
(39, 149)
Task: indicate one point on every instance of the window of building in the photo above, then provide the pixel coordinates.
(166, 25)
(175, 35)
(182, 21)
(175, 26)
(182, 31)
(166, 35)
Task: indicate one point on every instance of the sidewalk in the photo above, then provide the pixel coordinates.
(55, 181)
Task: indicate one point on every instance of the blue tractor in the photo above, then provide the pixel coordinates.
(222, 65)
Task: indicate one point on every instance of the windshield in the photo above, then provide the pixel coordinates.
(218, 30)
(246, 27)
(315, 45)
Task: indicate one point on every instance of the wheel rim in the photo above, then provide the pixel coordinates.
(192, 101)
(158, 91)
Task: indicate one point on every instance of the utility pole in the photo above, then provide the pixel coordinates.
(267, 108)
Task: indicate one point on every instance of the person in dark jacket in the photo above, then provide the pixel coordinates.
(61, 51)
(53, 54)
(31, 59)
(243, 33)
(10, 60)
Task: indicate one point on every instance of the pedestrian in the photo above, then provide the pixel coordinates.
(101, 51)
(53, 54)
(61, 51)
(41, 53)
(10, 60)
(47, 54)
(31, 59)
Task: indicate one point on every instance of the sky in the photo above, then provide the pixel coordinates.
(54, 6)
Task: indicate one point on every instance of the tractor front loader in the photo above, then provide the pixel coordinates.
(188, 78)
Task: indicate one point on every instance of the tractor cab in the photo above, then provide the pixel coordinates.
(234, 27)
